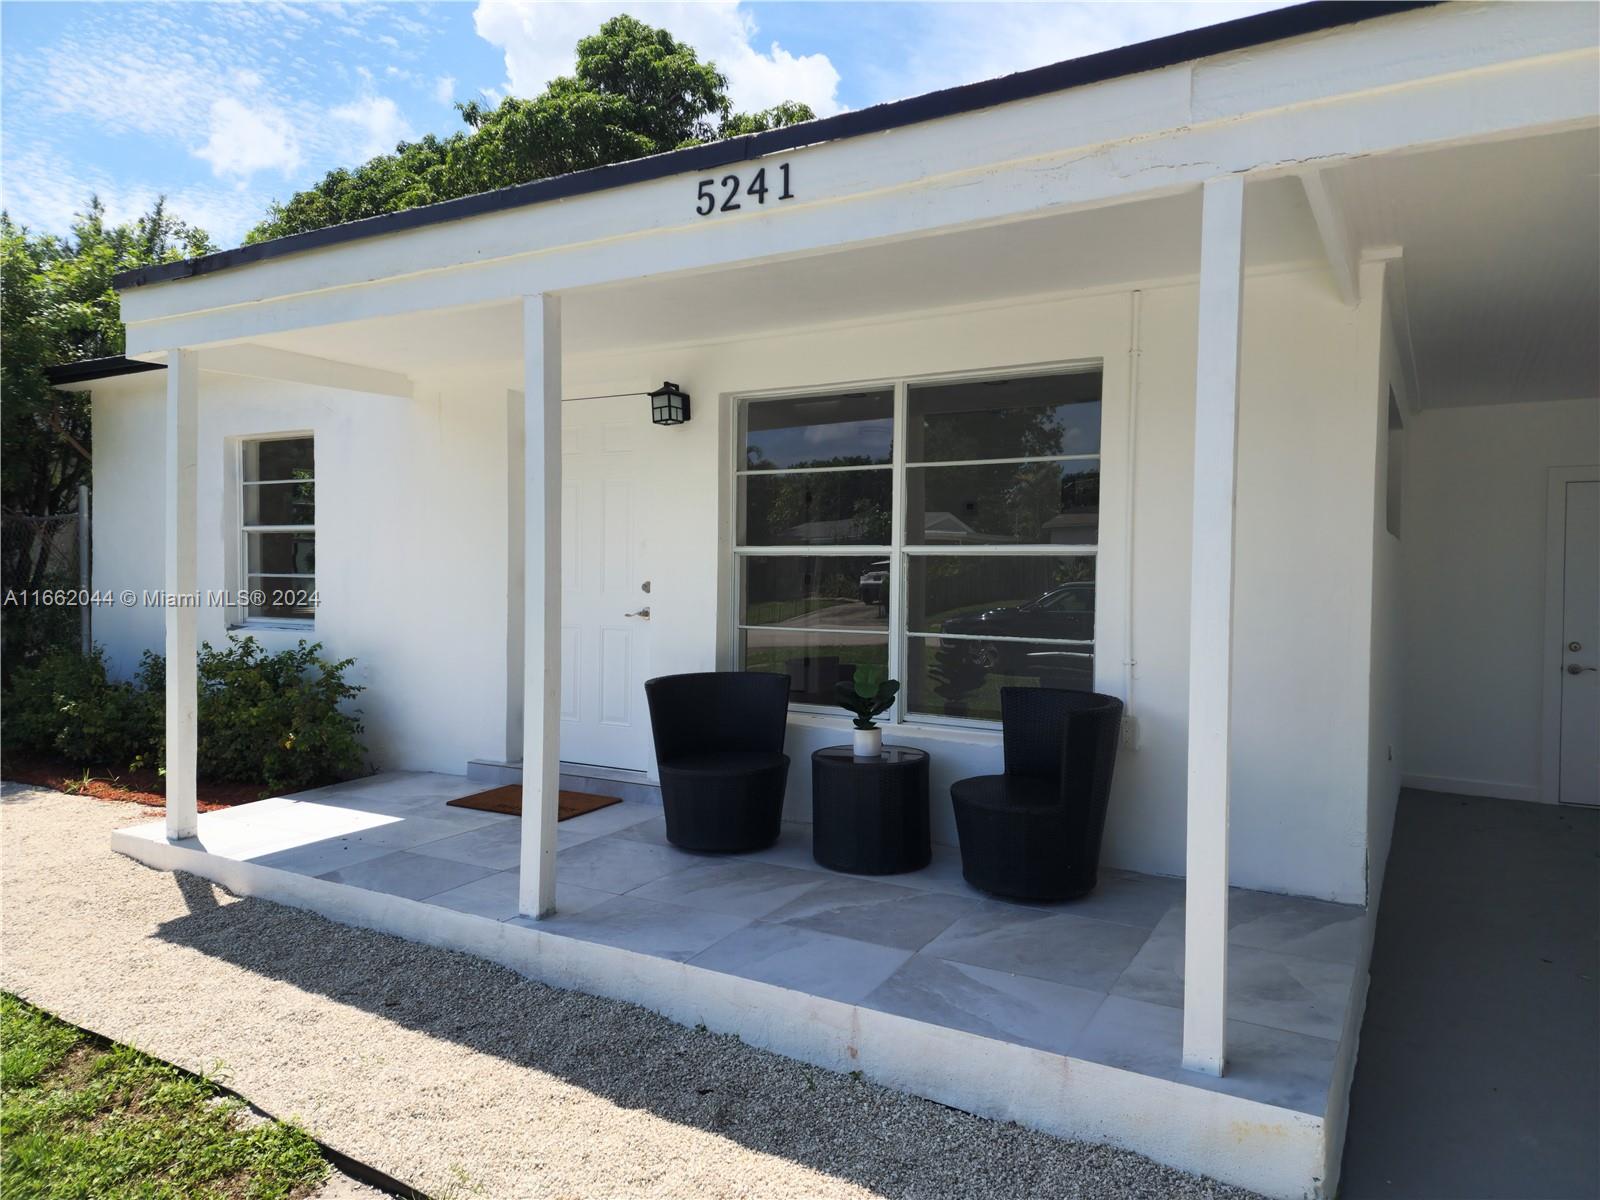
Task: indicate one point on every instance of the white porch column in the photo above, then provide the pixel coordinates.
(541, 696)
(516, 601)
(182, 467)
(1216, 435)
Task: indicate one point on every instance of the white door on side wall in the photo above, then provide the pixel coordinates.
(1580, 646)
(605, 623)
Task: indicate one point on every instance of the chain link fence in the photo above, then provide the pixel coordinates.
(44, 576)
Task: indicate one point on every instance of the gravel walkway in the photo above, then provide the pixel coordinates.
(342, 1187)
(464, 1078)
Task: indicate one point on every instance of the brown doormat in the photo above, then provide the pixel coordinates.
(508, 800)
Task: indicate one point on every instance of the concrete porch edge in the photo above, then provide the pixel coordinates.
(1271, 1150)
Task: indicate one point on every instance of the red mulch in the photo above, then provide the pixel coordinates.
(132, 787)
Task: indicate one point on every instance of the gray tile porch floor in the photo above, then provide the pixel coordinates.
(1097, 979)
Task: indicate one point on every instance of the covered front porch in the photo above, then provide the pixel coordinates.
(1267, 308)
(1063, 1018)
(1026, 296)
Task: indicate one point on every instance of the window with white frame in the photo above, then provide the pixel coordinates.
(944, 530)
(278, 529)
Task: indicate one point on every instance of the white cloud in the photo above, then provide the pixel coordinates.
(225, 110)
(415, 29)
(759, 81)
(46, 192)
(117, 91)
(951, 44)
(248, 138)
(539, 40)
(379, 121)
(444, 89)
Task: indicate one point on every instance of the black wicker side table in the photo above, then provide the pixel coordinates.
(870, 815)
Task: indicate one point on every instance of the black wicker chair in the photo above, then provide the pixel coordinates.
(719, 747)
(1034, 832)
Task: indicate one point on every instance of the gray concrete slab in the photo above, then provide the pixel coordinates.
(1101, 975)
(1478, 1076)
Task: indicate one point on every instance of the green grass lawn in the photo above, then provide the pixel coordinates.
(86, 1119)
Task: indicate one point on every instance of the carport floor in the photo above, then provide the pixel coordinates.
(1478, 1073)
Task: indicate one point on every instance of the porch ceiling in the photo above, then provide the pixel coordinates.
(1150, 240)
(1502, 262)
(1500, 242)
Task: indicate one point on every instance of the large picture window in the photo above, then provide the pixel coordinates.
(945, 531)
(278, 527)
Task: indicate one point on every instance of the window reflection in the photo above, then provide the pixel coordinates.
(1054, 503)
(998, 519)
(814, 662)
(818, 431)
(1031, 417)
(816, 508)
(811, 591)
(952, 678)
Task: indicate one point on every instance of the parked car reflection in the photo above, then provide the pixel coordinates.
(873, 586)
(1064, 613)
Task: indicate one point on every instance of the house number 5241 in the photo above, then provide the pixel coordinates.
(723, 195)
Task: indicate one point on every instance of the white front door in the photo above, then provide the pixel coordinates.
(1580, 647)
(605, 626)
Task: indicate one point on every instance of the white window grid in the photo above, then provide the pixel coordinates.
(246, 576)
(899, 551)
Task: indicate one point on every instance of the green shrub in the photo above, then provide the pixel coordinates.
(276, 718)
(67, 706)
(273, 719)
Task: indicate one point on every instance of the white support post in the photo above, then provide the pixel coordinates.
(516, 576)
(182, 587)
(85, 532)
(541, 702)
(1216, 436)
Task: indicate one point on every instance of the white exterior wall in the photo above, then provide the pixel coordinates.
(1474, 589)
(411, 538)
(410, 543)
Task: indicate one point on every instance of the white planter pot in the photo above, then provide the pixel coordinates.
(869, 743)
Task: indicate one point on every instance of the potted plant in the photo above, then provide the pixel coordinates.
(869, 695)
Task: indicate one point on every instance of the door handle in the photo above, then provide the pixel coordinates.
(1575, 669)
(643, 614)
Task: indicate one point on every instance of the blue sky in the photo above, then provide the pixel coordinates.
(225, 106)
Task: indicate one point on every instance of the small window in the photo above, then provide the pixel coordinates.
(278, 528)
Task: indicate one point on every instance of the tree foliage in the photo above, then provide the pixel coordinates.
(636, 91)
(57, 306)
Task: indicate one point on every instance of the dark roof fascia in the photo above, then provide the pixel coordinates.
(97, 368)
(1158, 53)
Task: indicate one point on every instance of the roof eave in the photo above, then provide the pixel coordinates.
(67, 375)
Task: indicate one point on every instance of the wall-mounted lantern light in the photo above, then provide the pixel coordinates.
(669, 405)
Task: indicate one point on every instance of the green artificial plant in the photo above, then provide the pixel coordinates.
(869, 695)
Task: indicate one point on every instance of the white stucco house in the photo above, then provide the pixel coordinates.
(1272, 348)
